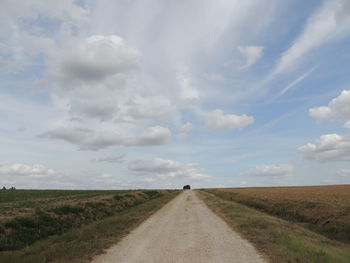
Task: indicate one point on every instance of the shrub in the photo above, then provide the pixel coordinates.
(19, 232)
(68, 209)
(152, 193)
(118, 197)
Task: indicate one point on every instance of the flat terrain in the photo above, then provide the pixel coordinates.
(184, 230)
(15, 203)
(31, 215)
(324, 209)
(281, 241)
(75, 230)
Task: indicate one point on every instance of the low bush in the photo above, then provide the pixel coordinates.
(68, 209)
(152, 193)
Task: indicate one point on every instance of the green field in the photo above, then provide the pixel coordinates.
(25, 202)
(21, 195)
(31, 217)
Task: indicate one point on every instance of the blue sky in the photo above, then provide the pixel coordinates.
(157, 94)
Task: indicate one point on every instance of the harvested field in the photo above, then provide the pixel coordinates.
(324, 209)
(281, 241)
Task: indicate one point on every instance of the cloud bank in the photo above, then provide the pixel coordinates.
(275, 171)
(167, 169)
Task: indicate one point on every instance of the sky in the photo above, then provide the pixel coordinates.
(157, 94)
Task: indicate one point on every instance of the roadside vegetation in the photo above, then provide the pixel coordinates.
(75, 230)
(280, 240)
(323, 209)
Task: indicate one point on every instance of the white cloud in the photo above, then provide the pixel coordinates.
(215, 77)
(96, 58)
(113, 158)
(328, 23)
(338, 107)
(329, 147)
(90, 75)
(344, 173)
(217, 120)
(149, 111)
(321, 113)
(90, 140)
(184, 129)
(347, 125)
(110, 83)
(24, 32)
(252, 54)
(188, 91)
(275, 171)
(167, 169)
(103, 111)
(342, 176)
(32, 171)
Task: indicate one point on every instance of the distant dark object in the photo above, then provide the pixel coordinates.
(187, 187)
(4, 188)
(13, 188)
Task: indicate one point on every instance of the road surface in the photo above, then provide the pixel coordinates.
(184, 230)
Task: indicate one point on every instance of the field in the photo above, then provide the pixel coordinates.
(324, 209)
(29, 217)
(288, 224)
(25, 202)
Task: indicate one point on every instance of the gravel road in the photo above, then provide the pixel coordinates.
(184, 230)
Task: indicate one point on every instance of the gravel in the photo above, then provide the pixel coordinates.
(184, 230)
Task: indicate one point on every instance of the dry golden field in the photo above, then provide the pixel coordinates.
(324, 209)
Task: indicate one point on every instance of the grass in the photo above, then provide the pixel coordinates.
(23, 195)
(280, 241)
(81, 244)
(323, 209)
(25, 202)
(21, 231)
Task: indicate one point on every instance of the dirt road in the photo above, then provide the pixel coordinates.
(184, 230)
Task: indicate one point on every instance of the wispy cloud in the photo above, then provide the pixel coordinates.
(327, 24)
(276, 171)
(297, 80)
(113, 158)
(252, 55)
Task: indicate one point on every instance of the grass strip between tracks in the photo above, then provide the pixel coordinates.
(81, 244)
(278, 240)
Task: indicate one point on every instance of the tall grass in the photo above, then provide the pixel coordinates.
(327, 214)
(22, 231)
(81, 244)
(278, 240)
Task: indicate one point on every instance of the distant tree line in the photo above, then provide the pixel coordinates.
(12, 188)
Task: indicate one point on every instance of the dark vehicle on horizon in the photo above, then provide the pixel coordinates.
(187, 187)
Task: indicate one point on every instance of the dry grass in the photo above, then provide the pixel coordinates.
(324, 209)
(278, 240)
